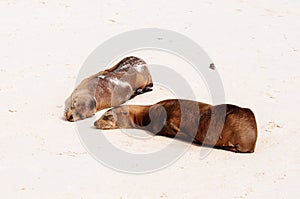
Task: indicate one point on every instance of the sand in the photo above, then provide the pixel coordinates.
(255, 46)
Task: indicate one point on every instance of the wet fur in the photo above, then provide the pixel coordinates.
(109, 88)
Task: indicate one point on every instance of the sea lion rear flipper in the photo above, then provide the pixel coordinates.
(173, 131)
(147, 89)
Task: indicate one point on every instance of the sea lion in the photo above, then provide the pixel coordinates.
(109, 88)
(232, 128)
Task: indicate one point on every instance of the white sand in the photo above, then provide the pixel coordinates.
(254, 45)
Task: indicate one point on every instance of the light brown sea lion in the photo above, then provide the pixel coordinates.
(232, 128)
(109, 88)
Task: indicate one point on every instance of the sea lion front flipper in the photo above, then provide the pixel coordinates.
(171, 130)
(140, 91)
(147, 89)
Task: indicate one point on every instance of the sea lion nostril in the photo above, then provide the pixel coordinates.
(71, 117)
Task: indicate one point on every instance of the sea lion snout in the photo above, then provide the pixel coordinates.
(107, 121)
(79, 107)
(69, 117)
(115, 118)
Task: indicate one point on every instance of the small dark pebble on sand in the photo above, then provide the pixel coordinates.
(212, 66)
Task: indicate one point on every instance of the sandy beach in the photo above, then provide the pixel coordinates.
(254, 45)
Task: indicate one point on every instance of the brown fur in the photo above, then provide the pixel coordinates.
(223, 126)
(109, 88)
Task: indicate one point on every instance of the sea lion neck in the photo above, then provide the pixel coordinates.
(139, 115)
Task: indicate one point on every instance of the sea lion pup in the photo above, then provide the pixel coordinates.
(223, 126)
(108, 88)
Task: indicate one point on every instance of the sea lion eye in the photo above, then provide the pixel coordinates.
(92, 105)
(73, 104)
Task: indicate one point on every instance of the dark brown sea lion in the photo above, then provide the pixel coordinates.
(108, 88)
(232, 128)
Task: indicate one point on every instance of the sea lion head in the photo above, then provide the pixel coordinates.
(115, 118)
(78, 107)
